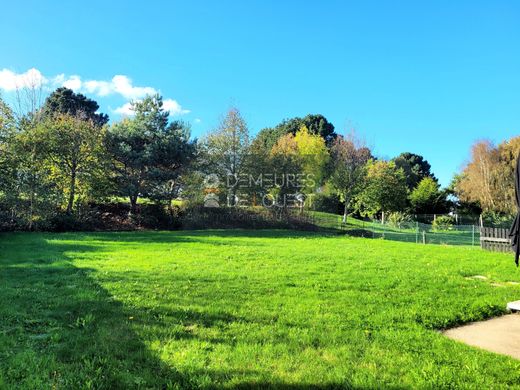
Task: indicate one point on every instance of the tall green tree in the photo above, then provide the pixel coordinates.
(7, 132)
(148, 152)
(316, 124)
(73, 148)
(384, 189)
(415, 168)
(427, 197)
(314, 157)
(64, 101)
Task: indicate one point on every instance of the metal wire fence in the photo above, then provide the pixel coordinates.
(416, 232)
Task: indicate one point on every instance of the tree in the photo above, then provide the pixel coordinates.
(316, 124)
(226, 149)
(7, 131)
(427, 197)
(415, 168)
(348, 169)
(65, 101)
(314, 158)
(148, 153)
(384, 189)
(488, 178)
(73, 146)
(7, 156)
(35, 196)
(285, 163)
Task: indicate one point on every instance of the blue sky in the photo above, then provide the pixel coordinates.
(429, 77)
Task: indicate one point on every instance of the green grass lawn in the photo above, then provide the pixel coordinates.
(243, 309)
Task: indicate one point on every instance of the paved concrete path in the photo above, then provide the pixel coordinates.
(500, 335)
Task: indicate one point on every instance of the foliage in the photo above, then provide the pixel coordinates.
(315, 124)
(225, 151)
(314, 158)
(285, 160)
(63, 101)
(148, 152)
(299, 163)
(384, 189)
(329, 203)
(415, 168)
(488, 179)
(240, 309)
(347, 169)
(398, 218)
(73, 149)
(443, 223)
(427, 197)
(497, 219)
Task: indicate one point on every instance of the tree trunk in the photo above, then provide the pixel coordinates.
(133, 204)
(345, 210)
(72, 191)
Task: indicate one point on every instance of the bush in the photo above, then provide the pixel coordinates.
(496, 219)
(443, 223)
(327, 203)
(63, 222)
(397, 219)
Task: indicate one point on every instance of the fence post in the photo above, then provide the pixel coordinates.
(473, 236)
(416, 232)
(424, 236)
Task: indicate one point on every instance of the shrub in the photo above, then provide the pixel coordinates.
(326, 203)
(443, 223)
(63, 222)
(397, 219)
(496, 219)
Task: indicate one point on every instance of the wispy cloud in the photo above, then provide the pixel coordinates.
(119, 85)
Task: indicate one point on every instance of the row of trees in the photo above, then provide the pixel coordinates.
(341, 168)
(62, 157)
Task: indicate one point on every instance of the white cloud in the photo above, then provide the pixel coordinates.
(119, 85)
(169, 105)
(197, 120)
(73, 82)
(123, 86)
(100, 88)
(174, 108)
(125, 109)
(11, 81)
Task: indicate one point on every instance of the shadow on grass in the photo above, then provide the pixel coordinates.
(60, 329)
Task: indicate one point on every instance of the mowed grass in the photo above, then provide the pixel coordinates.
(243, 309)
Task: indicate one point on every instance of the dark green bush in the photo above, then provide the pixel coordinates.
(327, 203)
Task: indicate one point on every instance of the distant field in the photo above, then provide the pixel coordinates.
(206, 309)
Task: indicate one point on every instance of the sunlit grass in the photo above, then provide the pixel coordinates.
(245, 308)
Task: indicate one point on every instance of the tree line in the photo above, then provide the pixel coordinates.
(63, 159)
